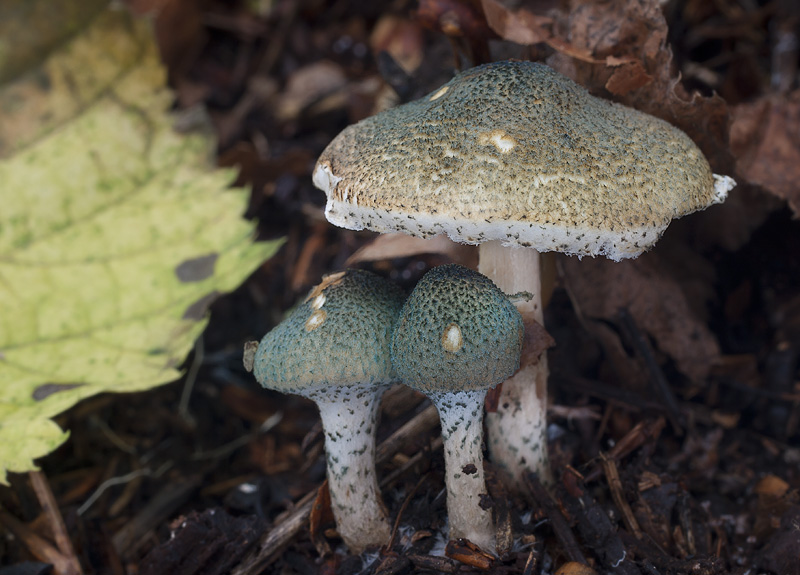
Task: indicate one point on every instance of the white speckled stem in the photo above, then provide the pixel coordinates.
(461, 415)
(517, 432)
(349, 419)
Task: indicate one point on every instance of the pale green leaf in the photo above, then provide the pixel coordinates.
(115, 233)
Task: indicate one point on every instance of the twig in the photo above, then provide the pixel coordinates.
(620, 397)
(127, 495)
(663, 562)
(685, 520)
(191, 378)
(119, 480)
(425, 420)
(228, 448)
(403, 507)
(301, 276)
(128, 539)
(657, 378)
(390, 478)
(557, 520)
(598, 532)
(112, 435)
(435, 564)
(39, 547)
(48, 502)
(641, 433)
(278, 38)
(533, 565)
(615, 484)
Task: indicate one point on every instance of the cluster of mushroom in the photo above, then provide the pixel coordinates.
(514, 157)
(519, 159)
(455, 336)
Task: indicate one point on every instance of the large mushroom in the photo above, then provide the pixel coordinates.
(513, 155)
(458, 336)
(334, 348)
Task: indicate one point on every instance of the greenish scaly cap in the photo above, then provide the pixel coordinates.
(516, 152)
(457, 332)
(340, 335)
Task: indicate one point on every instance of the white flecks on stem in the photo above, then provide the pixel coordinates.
(349, 420)
(461, 415)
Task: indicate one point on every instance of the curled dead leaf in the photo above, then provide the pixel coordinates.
(765, 138)
(320, 517)
(454, 18)
(520, 26)
(390, 246)
(655, 300)
(308, 85)
(537, 341)
(401, 38)
(627, 78)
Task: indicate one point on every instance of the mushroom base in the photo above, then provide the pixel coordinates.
(349, 420)
(461, 415)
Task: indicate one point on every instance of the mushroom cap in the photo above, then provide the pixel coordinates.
(457, 332)
(340, 335)
(514, 151)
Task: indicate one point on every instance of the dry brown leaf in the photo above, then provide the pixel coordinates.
(463, 22)
(765, 138)
(772, 486)
(725, 419)
(401, 38)
(634, 28)
(654, 299)
(731, 224)
(308, 85)
(390, 246)
(320, 517)
(246, 404)
(575, 568)
(618, 367)
(520, 26)
(627, 78)
(774, 499)
(454, 18)
(179, 29)
(537, 341)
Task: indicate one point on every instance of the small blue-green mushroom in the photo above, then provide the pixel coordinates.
(458, 335)
(334, 348)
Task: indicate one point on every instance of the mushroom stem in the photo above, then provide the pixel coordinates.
(349, 419)
(517, 431)
(461, 416)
